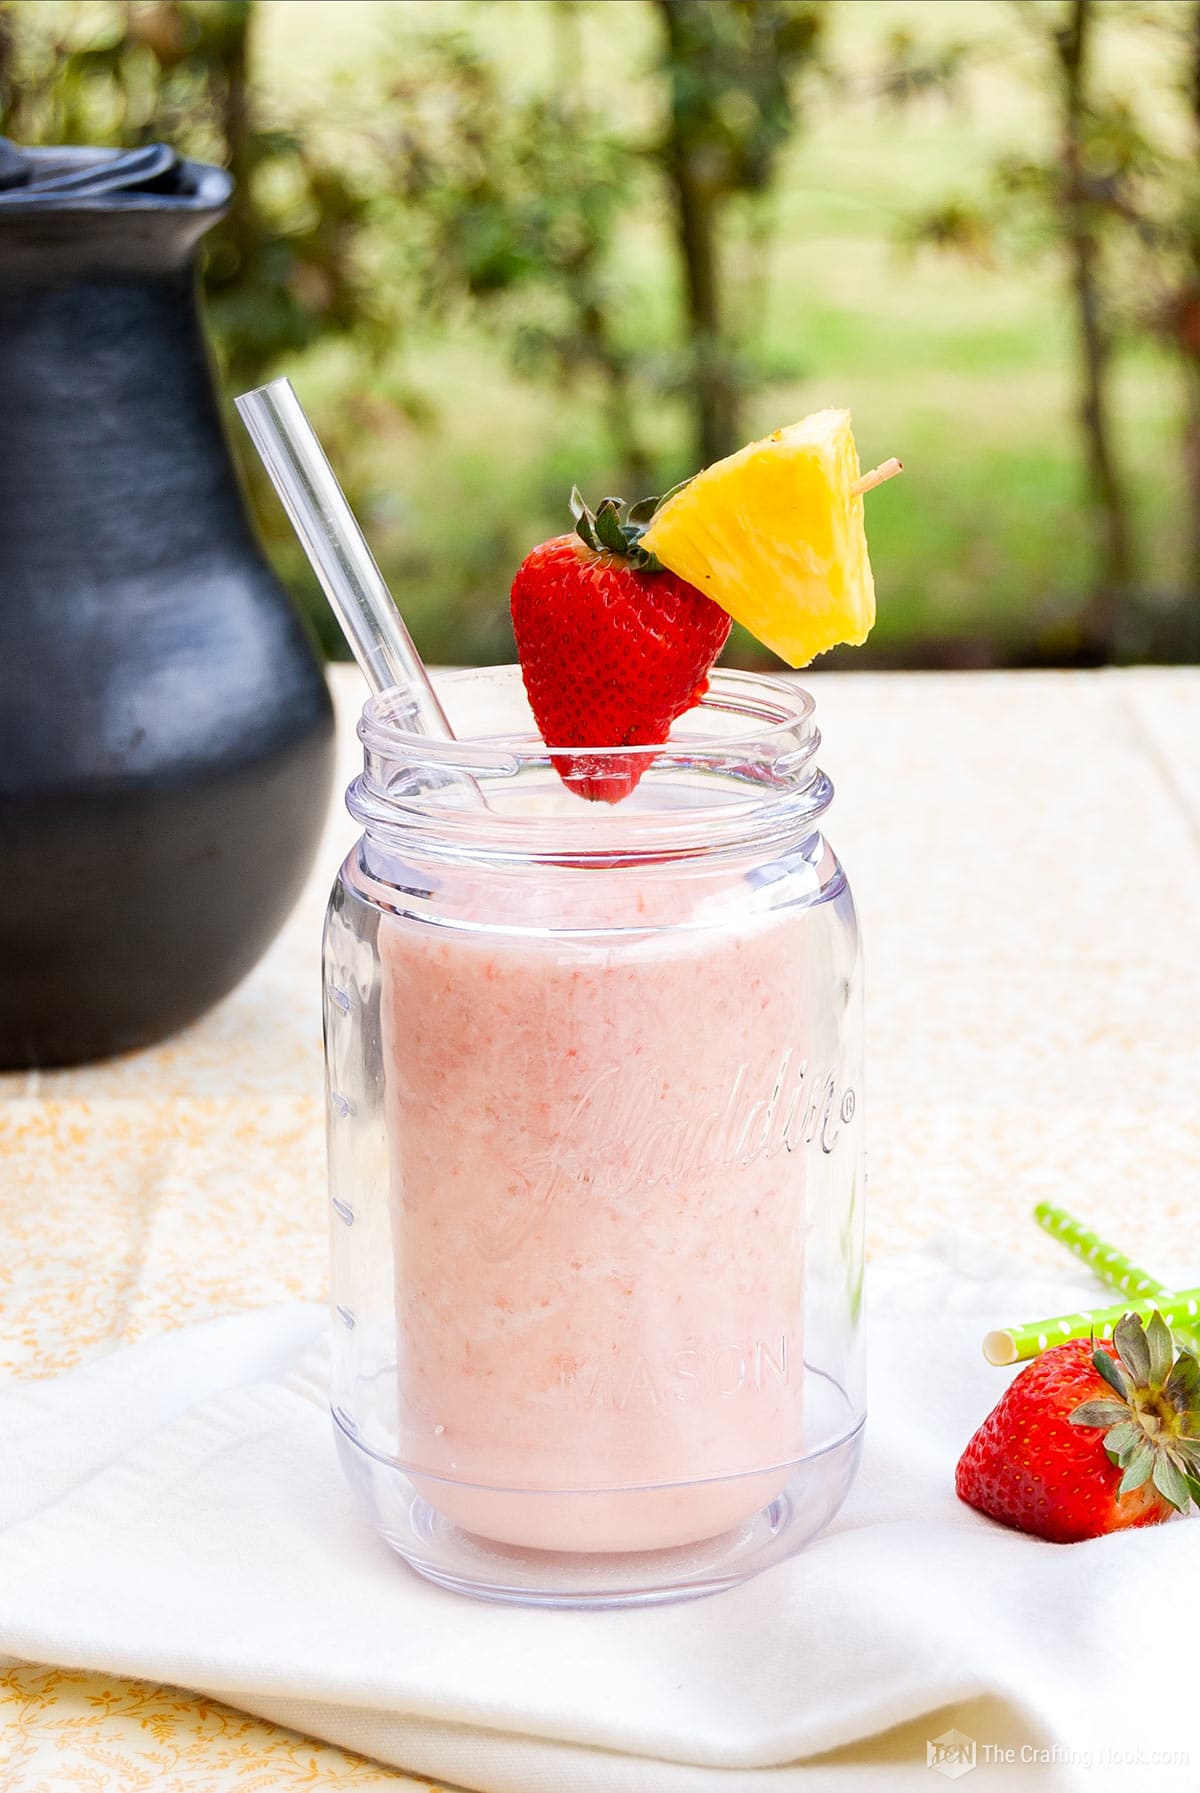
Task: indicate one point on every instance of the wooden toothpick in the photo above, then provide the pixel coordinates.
(886, 470)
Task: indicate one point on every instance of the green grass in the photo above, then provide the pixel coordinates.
(967, 373)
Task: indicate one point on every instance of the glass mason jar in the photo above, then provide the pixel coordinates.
(594, 1147)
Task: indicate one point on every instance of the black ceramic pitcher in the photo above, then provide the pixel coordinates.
(165, 728)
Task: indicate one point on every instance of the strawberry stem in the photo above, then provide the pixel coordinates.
(606, 531)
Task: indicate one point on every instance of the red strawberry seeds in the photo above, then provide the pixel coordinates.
(1090, 1438)
(611, 651)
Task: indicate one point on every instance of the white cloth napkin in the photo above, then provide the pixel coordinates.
(175, 1512)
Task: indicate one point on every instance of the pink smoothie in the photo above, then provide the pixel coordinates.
(597, 1189)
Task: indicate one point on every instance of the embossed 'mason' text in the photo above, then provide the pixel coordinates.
(680, 1376)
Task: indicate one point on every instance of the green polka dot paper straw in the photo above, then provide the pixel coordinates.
(1109, 1263)
(1016, 1344)
(1101, 1258)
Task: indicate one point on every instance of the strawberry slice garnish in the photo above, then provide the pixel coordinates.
(612, 646)
(1091, 1438)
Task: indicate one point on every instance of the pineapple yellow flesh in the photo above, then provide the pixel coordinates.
(774, 534)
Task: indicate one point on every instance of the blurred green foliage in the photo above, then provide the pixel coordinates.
(507, 206)
(1112, 198)
(507, 244)
(281, 269)
(732, 74)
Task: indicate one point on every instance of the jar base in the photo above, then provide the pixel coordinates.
(443, 1553)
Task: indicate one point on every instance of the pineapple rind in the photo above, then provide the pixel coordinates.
(774, 535)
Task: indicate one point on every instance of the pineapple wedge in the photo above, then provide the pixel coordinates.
(775, 536)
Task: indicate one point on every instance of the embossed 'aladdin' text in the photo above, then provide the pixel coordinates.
(660, 1145)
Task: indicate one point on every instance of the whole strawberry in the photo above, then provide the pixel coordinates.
(612, 647)
(1091, 1438)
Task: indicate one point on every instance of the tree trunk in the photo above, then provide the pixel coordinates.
(237, 129)
(10, 99)
(1191, 466)
(697, 207)
(235, 100)
(1188, 329)
(619, 405)
(1108, 500)
(595, 322)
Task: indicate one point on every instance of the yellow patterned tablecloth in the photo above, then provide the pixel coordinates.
(1026, 854)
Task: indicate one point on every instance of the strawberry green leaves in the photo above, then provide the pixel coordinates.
(604, 531)
(1171, 1482)
(1111, 1374)
(1133, 1348)
(1101, 1413)
(1152, 1428)
(1160, 1348)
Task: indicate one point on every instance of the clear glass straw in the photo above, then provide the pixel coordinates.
(330, 535)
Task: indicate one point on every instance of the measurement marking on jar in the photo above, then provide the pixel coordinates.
(343, 1210)
(346, 1317)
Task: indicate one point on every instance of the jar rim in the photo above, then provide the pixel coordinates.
(773, 705)
(737, 770)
